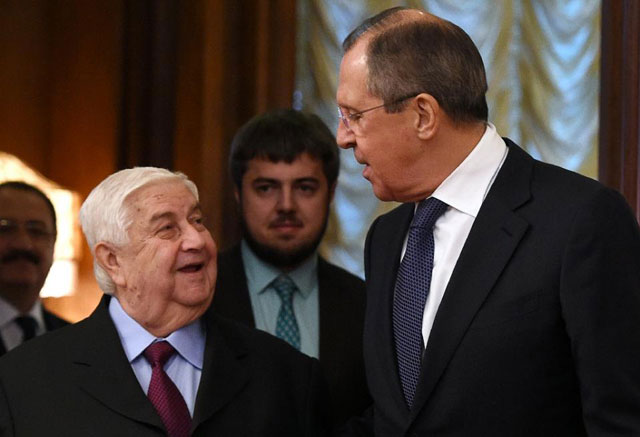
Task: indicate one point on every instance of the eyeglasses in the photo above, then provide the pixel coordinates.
(36, 230)
(351, 121)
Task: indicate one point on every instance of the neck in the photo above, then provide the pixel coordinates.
(449, 149)
(163, 321)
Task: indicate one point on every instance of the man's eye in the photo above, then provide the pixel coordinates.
(263, 188)
(38, 232)
(197, 222)
(307, 188)
(166, 231)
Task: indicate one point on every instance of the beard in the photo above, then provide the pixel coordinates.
(284, 259)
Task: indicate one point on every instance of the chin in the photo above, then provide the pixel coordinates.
(383, 194)
(194, 295)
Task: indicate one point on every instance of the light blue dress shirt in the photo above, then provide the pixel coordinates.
(184, 368)
(265, 301)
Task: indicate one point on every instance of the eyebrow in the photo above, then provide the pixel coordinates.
(262, 180)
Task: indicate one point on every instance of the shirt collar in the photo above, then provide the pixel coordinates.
(467, 186)
(189, 340)
(8, 313)
(260, 274)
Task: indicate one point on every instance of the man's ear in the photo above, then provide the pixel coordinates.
(107, 258)
(428, 119)
(332, 191)
(236, 194)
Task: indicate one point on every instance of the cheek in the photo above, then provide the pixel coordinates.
(257, 212)
(314, 210)
(155, 265)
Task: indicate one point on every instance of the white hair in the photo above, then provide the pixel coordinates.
(105, 215)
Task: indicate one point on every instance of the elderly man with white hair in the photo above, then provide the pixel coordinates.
(148, 361)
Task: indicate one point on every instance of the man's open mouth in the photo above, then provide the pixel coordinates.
(191, 268)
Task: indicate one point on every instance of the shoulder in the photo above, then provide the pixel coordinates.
(331, 272)
(230, 257)
(570, 191)
(52, 321)
(41, 354)
(261, 345)
(561, 202)
(547, 179)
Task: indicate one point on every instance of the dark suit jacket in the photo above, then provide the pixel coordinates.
(76, 381)
(51, 322)
(538, 333)
(341, 299)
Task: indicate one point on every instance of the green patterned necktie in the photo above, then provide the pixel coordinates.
(286, 325)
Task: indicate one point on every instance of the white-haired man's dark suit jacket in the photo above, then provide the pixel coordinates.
(77, 381)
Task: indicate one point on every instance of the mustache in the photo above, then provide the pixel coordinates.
(19, 254)
(288, 219)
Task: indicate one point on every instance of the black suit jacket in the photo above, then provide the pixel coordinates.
(538, 333)
(51, 322)
(77, 381)
(341, 301)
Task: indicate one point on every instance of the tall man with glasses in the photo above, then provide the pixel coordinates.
(27, 238)
(503, 296)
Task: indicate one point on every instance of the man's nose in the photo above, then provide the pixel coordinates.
(286, 199)
(193, 239)
(345, 137)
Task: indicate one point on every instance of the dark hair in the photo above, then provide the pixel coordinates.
(19, 185)
(408, 55)
(284, 135)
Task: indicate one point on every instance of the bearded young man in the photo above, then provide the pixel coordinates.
(284, 165)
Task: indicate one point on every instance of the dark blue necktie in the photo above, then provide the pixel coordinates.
(412, 287)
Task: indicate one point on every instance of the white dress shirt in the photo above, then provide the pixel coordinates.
(464, 191)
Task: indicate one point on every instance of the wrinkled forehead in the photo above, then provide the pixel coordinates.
(160, 198)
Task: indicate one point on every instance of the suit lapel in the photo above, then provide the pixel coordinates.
(225, 371)
(494, 236)
(381, 274)
(101, 369)
(328, 301)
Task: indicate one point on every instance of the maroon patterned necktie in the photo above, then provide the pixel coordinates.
(163, 393)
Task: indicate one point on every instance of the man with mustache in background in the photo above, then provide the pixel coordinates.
(27, 238)
(284, 165)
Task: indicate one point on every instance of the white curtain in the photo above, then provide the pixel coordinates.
(542, 62)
